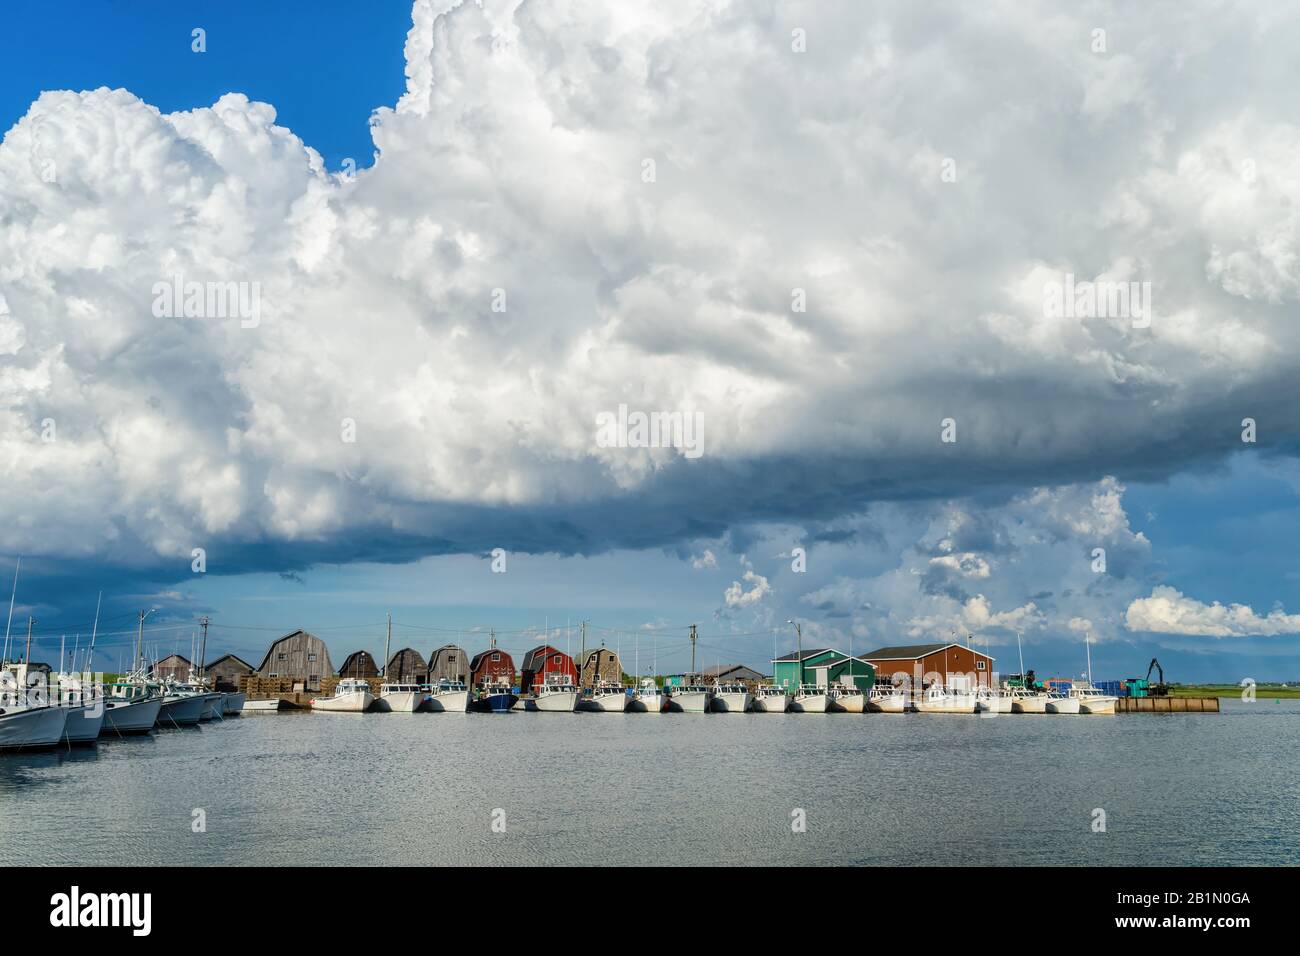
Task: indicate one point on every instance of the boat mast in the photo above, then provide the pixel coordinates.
(95, 630)
(12, 595)
(203, 649)
(388, 640)
(692, 652)
(1087, 643)
(27, 658)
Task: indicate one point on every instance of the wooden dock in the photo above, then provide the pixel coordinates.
(1167, 705)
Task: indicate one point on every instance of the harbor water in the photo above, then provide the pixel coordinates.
(677, 789)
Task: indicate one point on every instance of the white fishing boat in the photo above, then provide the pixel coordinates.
(399, 698)
(214, 707)
(1027, 701)
(688, 698)
(130, 708)
(647, 699)
(447, 696)
(810, 699)
(886, 699)
(85, 709)
(351, 696)
(1093, 701)
(271, 706)
(937, 699)
(552, 696)
(606, 697)
(844, 699)
(30, 728)
(992, 700)
(770, 699)
(234, 703)
(730, 698)
(1062, 703)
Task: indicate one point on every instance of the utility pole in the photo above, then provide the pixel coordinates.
(388, 640)
(139, 645)
(27, 658)
(692, 650)
(798, 650)
(203, 649)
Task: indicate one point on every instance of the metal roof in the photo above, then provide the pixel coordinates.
(911, 652)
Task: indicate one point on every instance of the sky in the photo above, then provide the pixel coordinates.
(832, 237)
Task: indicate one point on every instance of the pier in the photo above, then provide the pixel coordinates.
(1167, 705)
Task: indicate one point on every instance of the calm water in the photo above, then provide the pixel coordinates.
(681, 788)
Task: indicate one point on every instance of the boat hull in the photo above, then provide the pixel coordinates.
(771, 703)
(1063, 705)
(32, 728)
(958, 704)
(233, 704)
(448, 702)
(495, 703)
(730, 702)
(893, 704)
(399, 702)
(1102, 706)
(182, 711)
(993, 705)
(606, 704)
(1029, 705)
(356, 702)
(810, 704)
(694, 702)
(848, 704)
(261, 706)
(214, 707)
(552, 702)
(84, 722)
(124, 717)
(646, 704)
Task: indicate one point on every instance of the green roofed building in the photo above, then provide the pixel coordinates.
(822, 667)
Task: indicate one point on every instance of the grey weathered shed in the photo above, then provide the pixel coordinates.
(359, 664)
(300, 656)
(449, 662)
(172, 667)
(600, 663)
(226, 670)
(407, 667)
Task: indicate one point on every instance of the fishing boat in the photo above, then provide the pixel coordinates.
(937, 699)
(688, 698)
(730, 698)
(1024, 700)
(271, 706)
(1092, 700)
(234, 703)
(130, 708)
(214, 707)
(30, 728)
(85, 709)
(845, 699)
(770, 699)
(555, 695)
(351, 696)
(1062, 703)
(992, 700)
(447, 696)
(494, 698)
(887, 699)
(399, 698)
(606, 697)
(810, 699)
(647, 699)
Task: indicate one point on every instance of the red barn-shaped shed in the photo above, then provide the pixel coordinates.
(546, 664)
(493, 666)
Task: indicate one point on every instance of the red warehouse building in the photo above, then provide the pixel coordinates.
(546, 664)
(493, 666)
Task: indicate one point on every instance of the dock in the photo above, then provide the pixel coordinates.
(1167, 705)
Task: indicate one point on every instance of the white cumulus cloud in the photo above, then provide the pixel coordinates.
(1168, 611)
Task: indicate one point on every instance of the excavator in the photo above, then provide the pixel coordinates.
(1142, 687)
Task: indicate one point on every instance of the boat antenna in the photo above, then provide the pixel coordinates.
(388, 640)
(12, 595)
(95, 630)
(1087, 644)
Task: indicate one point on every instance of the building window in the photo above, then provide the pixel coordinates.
(979, 665)
(314, 677)
(274, 675)
(451, 658)
(281, 657)
(311, 657)
(496, 657)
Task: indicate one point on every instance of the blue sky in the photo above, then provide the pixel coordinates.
(514, 160)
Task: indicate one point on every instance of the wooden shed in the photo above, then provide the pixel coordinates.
(225, 672)
(600, 663)
(493, 666)
(545, 663)
(449, 662)
(300, 657)
(172, 667)
(951, 664)
(407, 667)
(359, 664)
(733, 674)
